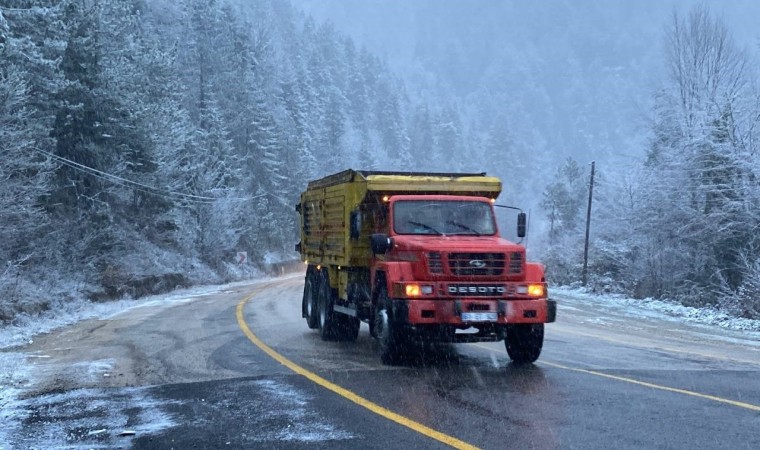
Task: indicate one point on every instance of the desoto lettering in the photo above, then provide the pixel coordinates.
(476, 289)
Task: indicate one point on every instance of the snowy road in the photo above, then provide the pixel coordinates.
(183, 374)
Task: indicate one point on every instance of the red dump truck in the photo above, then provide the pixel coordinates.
(418, 257)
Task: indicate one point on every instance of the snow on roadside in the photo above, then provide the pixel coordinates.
(15, 370)
(25, 327)
(16, 375)
(661, 309)
(84, 418)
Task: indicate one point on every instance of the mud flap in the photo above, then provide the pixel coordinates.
(551, 311)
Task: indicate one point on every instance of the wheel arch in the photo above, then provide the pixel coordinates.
(387, 273)
(378, 279)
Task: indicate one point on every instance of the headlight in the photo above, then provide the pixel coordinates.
(413, 290)
(536, 290)
(532, 290)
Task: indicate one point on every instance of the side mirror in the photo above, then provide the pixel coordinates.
(522, 222)
(355, 224)
(381, 243)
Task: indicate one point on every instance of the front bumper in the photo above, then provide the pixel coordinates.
(449, 311)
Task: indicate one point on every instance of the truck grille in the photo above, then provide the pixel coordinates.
(516, 262)
(477, 264)
(435, 263)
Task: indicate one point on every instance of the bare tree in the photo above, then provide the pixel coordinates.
(704, 64)
(700, 166)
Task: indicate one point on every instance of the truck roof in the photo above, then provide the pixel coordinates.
(428, 182)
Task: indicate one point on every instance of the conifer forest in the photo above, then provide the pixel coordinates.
(144, 144)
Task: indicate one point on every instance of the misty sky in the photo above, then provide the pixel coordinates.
(551, 59)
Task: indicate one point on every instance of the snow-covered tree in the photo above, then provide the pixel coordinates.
(697, 191)
(150, 138)
(564, 202)
(24, 179)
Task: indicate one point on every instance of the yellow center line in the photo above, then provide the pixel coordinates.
(345, 393)
(744, 405)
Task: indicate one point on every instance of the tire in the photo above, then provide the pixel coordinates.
(327, 321)
(524, 342)
(347, 327)
(309, 307)
(371, 323)
(387, 332)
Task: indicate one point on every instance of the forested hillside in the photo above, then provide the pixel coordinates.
(144, 143)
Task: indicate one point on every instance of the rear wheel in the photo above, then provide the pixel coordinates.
(327, 320)
(387, 331)
(524, 342)
(309, 306)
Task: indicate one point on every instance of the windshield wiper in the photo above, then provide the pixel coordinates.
(423, 225)
(463, 226)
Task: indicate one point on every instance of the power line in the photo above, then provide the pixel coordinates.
(96, 172)
(123, 182)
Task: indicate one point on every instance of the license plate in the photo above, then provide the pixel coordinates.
(478, 317)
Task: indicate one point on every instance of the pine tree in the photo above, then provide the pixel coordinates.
(390, 121)
(24, 173)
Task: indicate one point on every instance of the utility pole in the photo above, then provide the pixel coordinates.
(584, 274)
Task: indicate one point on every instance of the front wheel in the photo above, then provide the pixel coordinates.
(524, 342)
(387, 331)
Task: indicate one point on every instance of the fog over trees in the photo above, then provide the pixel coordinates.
(144, 143)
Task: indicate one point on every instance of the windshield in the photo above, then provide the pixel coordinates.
(443, 217)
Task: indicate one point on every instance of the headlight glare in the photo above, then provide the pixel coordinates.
(413, 290)
(536, 290)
